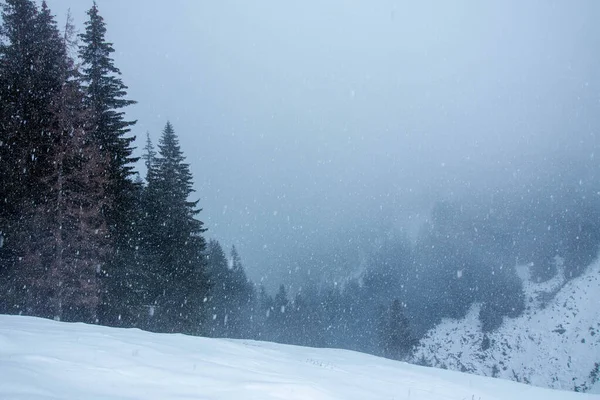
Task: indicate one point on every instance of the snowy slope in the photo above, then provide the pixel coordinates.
(42, 360)
(554, 344)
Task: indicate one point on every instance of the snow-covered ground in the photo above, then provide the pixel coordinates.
(42, 360)
(555, 343)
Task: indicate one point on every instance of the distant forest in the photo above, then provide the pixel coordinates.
(84, 238)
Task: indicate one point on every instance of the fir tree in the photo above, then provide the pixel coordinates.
(262, 317)
(149, 153)
(175, 238)
(279, 317)
(219, 292)
(32, 73)
(231, 295)
(73, 232)
(395, 336)
(105, 97)
(33, 58)
(242, 294)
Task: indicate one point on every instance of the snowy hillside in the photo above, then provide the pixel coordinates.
(41, 359)
(555, 343)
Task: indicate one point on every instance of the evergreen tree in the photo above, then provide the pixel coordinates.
(177, 265)
(149, 153)
(298, 318)
(105, 97)
(278, 320)
(360, 316)
(16, 59)
(242, 294)
(140, 276)
(218, 274)
(33, 58)
(395, 336)
(262, 315)
(333, 317)
(32, 73)
(307, 321)
(231, 295)
(72, 235)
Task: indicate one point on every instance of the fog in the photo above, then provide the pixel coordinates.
(314, 128)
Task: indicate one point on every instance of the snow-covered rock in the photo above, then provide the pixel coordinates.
(555, 343)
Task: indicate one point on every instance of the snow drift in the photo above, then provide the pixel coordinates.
(42, 359)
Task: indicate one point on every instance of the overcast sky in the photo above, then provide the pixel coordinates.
(308, 122)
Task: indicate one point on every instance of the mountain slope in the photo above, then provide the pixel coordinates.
(41, 359)
(555, 343)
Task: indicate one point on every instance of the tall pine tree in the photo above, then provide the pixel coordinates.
(33, 60)
(176, 265)
(71, 232)
(105, 97)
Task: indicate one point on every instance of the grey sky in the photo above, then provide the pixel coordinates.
(307, 122)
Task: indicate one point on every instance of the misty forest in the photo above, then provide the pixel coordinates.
(107, 220)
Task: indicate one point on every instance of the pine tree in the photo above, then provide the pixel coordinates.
(33, 58)
(262, 315)
(16, 59)
(33, 61)
(73, 230)
(175, 238)
(307, 324)
(231, 295)
(149, 153)
(219, 293)
(242, 294)
(136, 283)
(105, 97)
(395, 336)
(278, 319)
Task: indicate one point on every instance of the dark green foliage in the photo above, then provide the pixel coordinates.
(394, 332)
(105, 93)
(176, 283)
(72, 230)
(336, 318)
(52, 179)
(307, 318)
(105, 98)
(460, 259)
(218, 272)
(17, 59)
(262, 312)
(32, 69)
(279, 317)
(149, 153)
(230, 300)
(274, 316)
(32, 60)
(70, 212)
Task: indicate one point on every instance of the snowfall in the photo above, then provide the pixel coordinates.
(43, 359)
